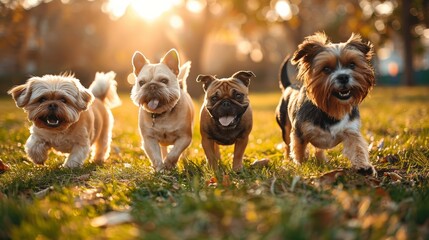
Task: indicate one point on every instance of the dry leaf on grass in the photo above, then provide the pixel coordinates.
(83, 177)
(226, 181)
(90, 196)
(260, 163)
(111, 219)
(44, 192)
(394, 176)
(212, 182)
(3, 167)
(372, 181)
(329, 177)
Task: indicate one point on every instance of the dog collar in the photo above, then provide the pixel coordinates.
(154, 116)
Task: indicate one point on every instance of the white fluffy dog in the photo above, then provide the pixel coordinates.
(67, 117)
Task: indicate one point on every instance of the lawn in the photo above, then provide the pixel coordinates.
(125, 199)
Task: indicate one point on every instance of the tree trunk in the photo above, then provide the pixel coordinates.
(407, 78)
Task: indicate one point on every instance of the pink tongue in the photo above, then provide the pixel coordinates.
(225, 121)
(153, 104)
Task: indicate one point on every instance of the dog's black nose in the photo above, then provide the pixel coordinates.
(343, 78)
(52, 107)
(226, 104)
(153, 87)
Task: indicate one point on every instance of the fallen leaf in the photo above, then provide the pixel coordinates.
(260, 163)
(44, 192)
(3, 167)
(394, 176)
(83, 177)
(372, 181)
(90, 196)
(381, 192)
(212, 182)
(112, 219)
(226, 182)
(330, 177)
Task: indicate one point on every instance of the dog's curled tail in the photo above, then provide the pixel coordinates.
(284, 80)
(183, 75)
(104, 88)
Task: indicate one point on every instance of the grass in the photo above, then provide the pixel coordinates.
(280, 201)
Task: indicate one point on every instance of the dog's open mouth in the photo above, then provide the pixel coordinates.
(153, 104)
(343, 94)
(226, 120)
(51, 120)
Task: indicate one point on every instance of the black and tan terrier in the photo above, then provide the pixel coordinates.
(322, 109)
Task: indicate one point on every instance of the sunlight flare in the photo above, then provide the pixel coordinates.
(151, 10)
(146, 9)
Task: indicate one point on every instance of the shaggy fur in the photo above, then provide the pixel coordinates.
(322, 110)
(67, 117)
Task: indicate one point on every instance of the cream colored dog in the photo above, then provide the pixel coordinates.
(166, 113)
(67, 118)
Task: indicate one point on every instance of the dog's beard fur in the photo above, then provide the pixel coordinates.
(157, 88)
(56, 119)
(54, 102)
(156, 96)
(321, 63)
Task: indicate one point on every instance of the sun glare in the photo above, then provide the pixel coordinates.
(146, 9)
(151, 10)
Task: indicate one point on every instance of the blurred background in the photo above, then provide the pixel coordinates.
(219, 36)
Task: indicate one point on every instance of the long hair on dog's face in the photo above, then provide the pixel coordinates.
(52, 102)
(337, 77)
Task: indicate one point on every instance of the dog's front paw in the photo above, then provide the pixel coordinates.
(157, 167)
(38, 161)
(70, 163)
(169, 165)
(369, 170)
(36, 156)
(98, 161)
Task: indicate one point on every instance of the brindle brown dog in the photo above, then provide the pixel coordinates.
(226, 116)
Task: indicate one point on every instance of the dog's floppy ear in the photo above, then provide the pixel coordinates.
(21, 94)
(355, 41)
(85, 97)
(206, 79)
(244, 76)
(138, 61)
(171, 59)
(309, 48)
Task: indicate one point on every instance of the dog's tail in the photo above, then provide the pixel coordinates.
(183, 75)
(104, 88)
(288, 75)
(284, 80)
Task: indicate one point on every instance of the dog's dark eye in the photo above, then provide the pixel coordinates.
(214, 99)
(63, 100)
(239, 96)
(327, 70)
(352, 66)
(141, 83)
(42, 99)
(164, 80)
